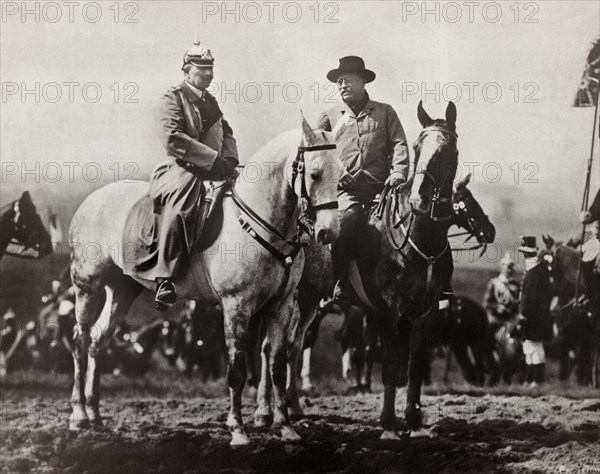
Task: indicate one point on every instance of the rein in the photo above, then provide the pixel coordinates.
(386, 212)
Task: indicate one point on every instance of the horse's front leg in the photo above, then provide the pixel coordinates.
(388, 333)
(417, 366)
(236, 335)
(279, 324)
(264, 413)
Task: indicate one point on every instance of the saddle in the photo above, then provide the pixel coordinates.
(140, 235)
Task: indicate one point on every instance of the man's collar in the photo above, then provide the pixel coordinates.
(192, 93)
(365, 109)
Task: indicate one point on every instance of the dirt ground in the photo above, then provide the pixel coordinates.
(153, 427)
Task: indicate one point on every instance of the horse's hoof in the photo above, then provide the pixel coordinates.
(289, 435)
(263, 420)
(78, 425)
(239, 439)
(421, 433)
(389, 435)
(96, 422)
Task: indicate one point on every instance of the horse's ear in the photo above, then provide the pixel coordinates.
(548, 240)
(25, 199)
(451, 115)
(307, 131)
(464, 182)
(423, 116)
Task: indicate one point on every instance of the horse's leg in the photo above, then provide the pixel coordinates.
(264, 413)
(404, 351)
(462, 357)
(370, 350)
(390, 342)
(310, 339)
(119, 298)
(416, 370)
(304, 320)
(279, 325)
(236, 334)
(88, 298)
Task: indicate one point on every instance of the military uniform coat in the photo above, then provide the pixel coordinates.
(197, 140)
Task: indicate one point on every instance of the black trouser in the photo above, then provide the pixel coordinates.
(353, 225)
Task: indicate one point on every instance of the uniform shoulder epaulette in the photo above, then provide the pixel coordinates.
(174, 89)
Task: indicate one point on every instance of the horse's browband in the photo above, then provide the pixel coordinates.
(437, 128)
(329, 146)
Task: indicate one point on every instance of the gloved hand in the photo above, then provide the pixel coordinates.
(585, 217)
(224, 168)
(395, 179)
(347, 181)
(232, 163)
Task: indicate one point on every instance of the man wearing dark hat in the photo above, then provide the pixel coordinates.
(537, 294)
(200, 145)
(373, 150)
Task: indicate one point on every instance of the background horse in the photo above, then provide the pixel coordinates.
(577, 330)
(22, 226)
(260, 219)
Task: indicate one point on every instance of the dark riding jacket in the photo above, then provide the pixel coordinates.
(536, 296)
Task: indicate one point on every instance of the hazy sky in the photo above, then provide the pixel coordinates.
(532, 53)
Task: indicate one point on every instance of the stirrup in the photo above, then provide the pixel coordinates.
(339, 294)
(166, 295)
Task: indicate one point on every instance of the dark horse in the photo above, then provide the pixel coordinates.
(22, 226)
(359, 342)
(409, 232)
(577, 330)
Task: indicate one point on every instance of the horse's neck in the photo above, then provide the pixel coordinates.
(7, 225)
(429, 235)
(272, 198)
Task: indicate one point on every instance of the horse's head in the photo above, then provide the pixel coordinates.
(318, 171)
(436, 160)
(468, 214)
(28, 227)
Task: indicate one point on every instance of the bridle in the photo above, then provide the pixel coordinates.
(248, 216)
(437, 200)
(306, 221)
(19, 228)
(461, 210)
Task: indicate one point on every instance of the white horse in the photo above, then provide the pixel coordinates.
(253, 268)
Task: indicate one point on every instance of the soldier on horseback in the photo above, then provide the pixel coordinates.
(200, 145)
(374, 152)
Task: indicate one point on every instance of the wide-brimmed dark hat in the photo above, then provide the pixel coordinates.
(351, 65)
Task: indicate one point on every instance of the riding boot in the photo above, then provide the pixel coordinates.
(165, 294)
(539, 373)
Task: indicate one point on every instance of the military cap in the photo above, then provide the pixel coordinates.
(198, 56)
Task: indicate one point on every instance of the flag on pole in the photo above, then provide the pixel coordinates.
(587, 94)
